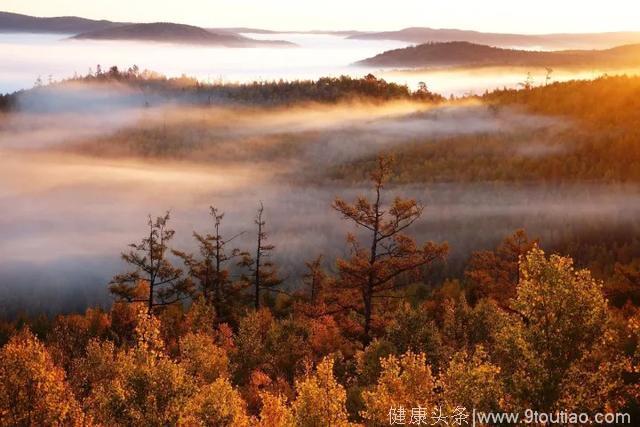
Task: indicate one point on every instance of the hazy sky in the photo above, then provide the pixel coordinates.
(487, 15)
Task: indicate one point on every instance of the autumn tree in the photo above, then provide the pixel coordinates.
(137, 386)
(33, 390)
(217, 404)
(202, 358)
(316, 281)
(315, 278)
(405, 381)
(251, 341)
(495, 274)
(558, 316)
(320, 399)
(472, 381)
(373, 271)
(263, 274)
(154, 280)
(275, 412)
(210, 269)
(71, 333)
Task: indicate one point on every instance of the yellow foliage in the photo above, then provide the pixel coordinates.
(33, 391)
(202, 359)
(560, 315)
(320, 399)
(275, 412)
(473, 382)
(216, 404)
(145, 387)
(406, 381)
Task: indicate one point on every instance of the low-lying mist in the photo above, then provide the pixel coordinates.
(77, 184)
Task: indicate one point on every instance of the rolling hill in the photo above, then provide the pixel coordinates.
(14, 22)
(176, 33)
(462, 54)
(82, 28)
(542, 41)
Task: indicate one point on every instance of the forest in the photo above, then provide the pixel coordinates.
(210, 326)
(343, 349)
(188, 90)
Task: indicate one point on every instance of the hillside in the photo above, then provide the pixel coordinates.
(240, 30)
(14, 22)
(459, 54)
(588, 141)
(544, 41)
(175, 33)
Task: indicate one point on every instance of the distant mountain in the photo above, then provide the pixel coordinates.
(176, 33)
(14, 22)
(249, 30)
(459, 54)
(544, 41)
(107, 30)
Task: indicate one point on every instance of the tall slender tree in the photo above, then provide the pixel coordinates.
(263, 272)
(154, 279)
(210, 269)
(315, 278)
(373, 270)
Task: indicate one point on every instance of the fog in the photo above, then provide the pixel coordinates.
(73, 199)
(29, 56)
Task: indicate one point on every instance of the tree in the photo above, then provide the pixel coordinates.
(33, 390)
(138, 386)
(217, 404)
(547, 76)
(263, 272)
(372, 272)
(275, 412)
(320, 399)
(405, 382)
(154, 274)
(559, 315)
(210, 269)
(413, 329)
(202, 358)
(251, 341)
(315, 279)
(528, 82)
(472, 381)
(495, 274)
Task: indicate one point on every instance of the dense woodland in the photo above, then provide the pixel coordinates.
(594, 141)
(190, 91)
(189, 341)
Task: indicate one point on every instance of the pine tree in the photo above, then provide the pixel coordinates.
(210, 269)
(264, 276)
(372, 272)
(154, 275)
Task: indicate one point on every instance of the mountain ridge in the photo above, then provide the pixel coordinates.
(16, 22)
(461, 53)
(175, 33)
(422, 35)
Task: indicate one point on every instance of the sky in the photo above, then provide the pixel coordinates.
(540, 16)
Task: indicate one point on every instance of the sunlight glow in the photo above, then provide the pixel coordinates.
(543, 16)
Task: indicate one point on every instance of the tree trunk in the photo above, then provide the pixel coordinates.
(257, 278)
(369, 289)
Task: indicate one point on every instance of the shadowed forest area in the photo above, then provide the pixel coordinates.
(316, 253)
